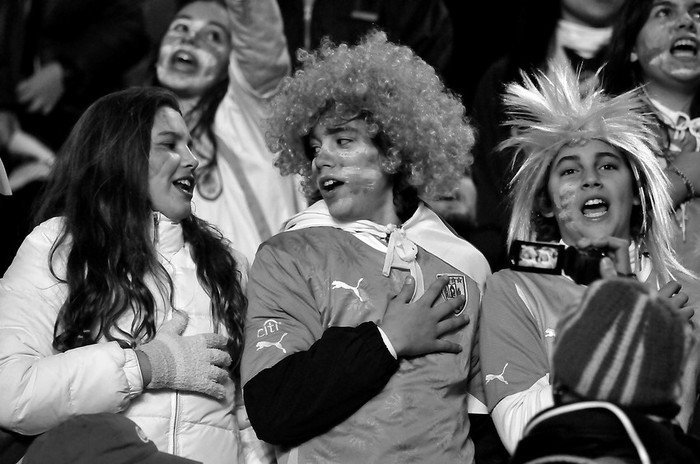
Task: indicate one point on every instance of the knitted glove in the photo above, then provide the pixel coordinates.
(194, 363)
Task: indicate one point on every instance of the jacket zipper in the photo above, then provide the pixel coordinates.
(173, 431)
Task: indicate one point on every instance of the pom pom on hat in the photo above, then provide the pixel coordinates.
(623, 344)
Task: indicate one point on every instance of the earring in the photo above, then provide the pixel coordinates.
(633, 57)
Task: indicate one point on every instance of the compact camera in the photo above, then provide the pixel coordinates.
(583, 266)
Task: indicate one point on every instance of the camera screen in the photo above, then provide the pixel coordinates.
(536, 257)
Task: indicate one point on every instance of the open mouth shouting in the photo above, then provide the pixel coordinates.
(185, 184)
(184, 60)
(685, 47)
(327, 184)
(595, 208)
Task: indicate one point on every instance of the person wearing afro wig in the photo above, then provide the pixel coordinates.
(360, 335)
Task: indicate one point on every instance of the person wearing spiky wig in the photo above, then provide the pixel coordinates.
(588, 180)
(355, 351)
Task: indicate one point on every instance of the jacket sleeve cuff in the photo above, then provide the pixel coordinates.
(132, 371)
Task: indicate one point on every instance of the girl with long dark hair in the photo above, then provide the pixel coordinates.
(121, 300)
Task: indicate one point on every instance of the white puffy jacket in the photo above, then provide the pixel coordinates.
(40, 387)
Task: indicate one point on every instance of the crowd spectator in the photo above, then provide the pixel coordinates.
(351, 353)
(58, 56)
(224, 60)
(590, 186)
(574, 30)
(121, 300)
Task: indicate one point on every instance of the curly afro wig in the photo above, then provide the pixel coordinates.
(413, 117)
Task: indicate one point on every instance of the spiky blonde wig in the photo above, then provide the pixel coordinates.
(399, 95)
(550, 111)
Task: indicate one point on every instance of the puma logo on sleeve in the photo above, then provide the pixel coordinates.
(278, 344)
(490, 377)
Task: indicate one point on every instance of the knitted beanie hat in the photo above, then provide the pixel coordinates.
(623, 344)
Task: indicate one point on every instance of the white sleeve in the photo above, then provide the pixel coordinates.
(512, 413)
(40, 387)
(259, 57)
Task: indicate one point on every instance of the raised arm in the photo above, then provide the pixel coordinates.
(259, 56)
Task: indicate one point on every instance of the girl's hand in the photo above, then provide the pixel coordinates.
(617, 263)
(677, 299)
(41, 91)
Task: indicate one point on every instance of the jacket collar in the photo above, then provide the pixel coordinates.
(167, 235)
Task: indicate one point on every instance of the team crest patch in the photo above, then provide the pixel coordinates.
(456, 286)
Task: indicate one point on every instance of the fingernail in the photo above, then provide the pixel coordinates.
(607, 263)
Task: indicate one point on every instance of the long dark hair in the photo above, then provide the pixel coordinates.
(100, 187)
(620, 74)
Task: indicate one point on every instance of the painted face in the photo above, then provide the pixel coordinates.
(195, 50)
(594, 13)
(348, 172)
(667, 45)
(592, 191)
(171, 166)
